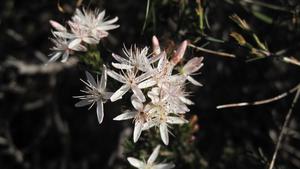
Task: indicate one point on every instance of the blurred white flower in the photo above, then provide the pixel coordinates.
(150, 164)
(63, 48)
(86, 26)
(93, 22)
(140, 116)
(95, 93)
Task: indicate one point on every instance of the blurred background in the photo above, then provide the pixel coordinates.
(41, 128)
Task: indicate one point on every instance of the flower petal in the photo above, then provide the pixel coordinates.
(90, 78)
(74, 43)
(176, 120)
(121, 66)
(103, 80)
(119, 93)
(193, 65)
(137, 104)
(147, 83)
(193, 81)
(135, 162)
(163, 129)
(125, 116)
(137, 131)
(100, 112)
(54, 57)
(57, 26)
(120, 59)
(186, 100)
(82, 103)
(154, 155)
(164, 166)
(138, 93)
(116, 76)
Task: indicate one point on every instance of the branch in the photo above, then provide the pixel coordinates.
(212, 52)
(283, 130)
(260, 102)
(31, 69)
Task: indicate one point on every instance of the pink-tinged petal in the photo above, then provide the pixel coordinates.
(57, 26)
(135, 162)
(176, 120)
(137, 104)
(155, 46)
(138, 93)
(121, 66)
(82, 103)
(100, 112)
(103, 80)
(193, 81)
(147, 83)
(163, 129)
(193, 65)
(90, 78)
(74, 43)
(178, 55)
(119, 93)
(125, 116)
(164, 166)
(137, 130)
(116, 76)
(154, 155)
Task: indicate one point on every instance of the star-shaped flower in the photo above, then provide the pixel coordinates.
(140, 116)
(95, 93)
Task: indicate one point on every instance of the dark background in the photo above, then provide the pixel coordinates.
(41, 128)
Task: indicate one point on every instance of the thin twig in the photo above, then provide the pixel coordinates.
(259, 102)
(212, 52)
(283, 129)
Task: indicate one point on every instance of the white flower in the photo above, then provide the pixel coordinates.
(131, 81)
(135, 58)
(95, 93)
(140, 116)
(150, 164)
(191, 67)
(94, 22)
(162, 118)
(63, 48)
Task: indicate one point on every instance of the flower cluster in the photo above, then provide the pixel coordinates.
(85, 27)
(159, 98)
